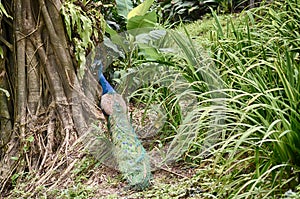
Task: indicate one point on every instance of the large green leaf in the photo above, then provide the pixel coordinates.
(153, 35)
(140, 9)
(140, 23)
(149, 52)
(124, 7)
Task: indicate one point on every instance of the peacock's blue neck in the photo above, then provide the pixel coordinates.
(106, 87)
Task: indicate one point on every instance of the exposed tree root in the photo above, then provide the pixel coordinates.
(50, 108)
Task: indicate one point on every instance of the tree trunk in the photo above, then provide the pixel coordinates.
(47, 109)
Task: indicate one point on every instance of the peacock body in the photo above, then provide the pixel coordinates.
(131, 157)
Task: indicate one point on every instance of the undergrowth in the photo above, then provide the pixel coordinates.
(245, 106)
(232, 112)
(258, 59)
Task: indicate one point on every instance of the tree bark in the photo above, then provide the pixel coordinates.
(47, 109)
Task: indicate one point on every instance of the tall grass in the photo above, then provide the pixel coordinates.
(242, 107)
(181, 81)
(259, 61)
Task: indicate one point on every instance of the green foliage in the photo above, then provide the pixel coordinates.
(124, 17)
(78, 191)
(176, 58)
(141, 9)
(247, 117)
(124, 7)
(182, 10)
(174, 11)
(81, 27)
(200, 31)
(259, 65)
(267, 72)
(139, 19)
(139, 23)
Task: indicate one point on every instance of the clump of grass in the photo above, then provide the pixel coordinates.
(200, 31)
(248, 115)
(259, 63)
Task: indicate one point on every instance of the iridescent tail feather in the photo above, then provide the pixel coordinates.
(133, 160)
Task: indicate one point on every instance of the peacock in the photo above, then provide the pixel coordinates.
(131, 157)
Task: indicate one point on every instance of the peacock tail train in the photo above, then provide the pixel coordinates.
(130, 154)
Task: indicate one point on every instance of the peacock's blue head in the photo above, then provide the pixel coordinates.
(106, 87)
